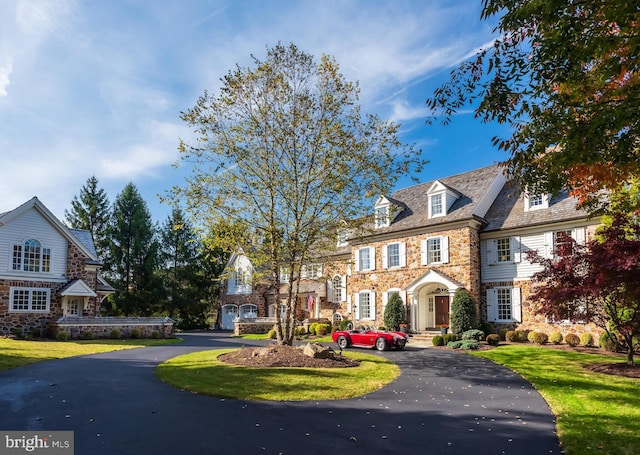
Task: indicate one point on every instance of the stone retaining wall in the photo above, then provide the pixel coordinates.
(102, 327)
(260, 325)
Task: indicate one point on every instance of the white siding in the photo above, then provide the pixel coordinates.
(494, 271)
(32, 225)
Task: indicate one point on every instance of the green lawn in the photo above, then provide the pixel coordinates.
(16, 353)
(264, 336)
(596, 413)
(202, 372)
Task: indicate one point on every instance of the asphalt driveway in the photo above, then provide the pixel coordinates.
(444, 402)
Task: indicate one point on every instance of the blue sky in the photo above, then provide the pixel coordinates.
(96, 87)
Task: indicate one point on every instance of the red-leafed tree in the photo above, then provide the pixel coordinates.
(597, 282)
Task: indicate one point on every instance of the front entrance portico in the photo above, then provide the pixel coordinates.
(429, 300)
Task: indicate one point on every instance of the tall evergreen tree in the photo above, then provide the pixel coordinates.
(133, 256)
(90, 210)
(182, 276)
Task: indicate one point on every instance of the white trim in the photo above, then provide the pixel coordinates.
(30, 291)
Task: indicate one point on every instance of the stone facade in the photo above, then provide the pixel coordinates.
(101, 327)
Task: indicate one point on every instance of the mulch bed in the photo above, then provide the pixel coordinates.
(284, 356)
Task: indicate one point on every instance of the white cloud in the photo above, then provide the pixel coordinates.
(5, 71)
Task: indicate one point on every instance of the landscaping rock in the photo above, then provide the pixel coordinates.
(317, 351)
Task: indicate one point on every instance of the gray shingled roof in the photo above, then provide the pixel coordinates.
(507, 211)
(85, 238)
(471, 185)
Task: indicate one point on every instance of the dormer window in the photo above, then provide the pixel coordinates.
(342, 238)
(382, 216)
(536, 202)
(435, 204)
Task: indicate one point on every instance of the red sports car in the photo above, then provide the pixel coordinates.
(368, 337)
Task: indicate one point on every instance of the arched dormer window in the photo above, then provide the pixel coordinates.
(30, 256)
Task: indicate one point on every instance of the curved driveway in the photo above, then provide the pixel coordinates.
(444, 402)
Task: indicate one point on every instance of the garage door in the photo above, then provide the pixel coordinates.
(229, 314)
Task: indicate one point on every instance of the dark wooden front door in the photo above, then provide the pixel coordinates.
(442, 310)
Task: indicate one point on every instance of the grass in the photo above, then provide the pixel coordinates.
(202, 372)
(17, 353)
(264, 336)
(595, 412)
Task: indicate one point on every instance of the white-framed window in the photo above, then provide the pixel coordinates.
(394, 255)
(73, 307)
(365, 259)
(249, 311)
(35, 300)
(436, 207)
(337, 288)
(504, 250)
(382, 216)
(311, 271)
(503, 304)
(536, 202)
(366, 306)
(31, 256)
(342, 238)
(285, 274)
(239, 281)
(336, 318)
(435, 250)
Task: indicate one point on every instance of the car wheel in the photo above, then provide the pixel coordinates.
(401, 344)
(342, 342)
(381, 344)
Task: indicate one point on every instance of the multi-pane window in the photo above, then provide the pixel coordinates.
(393, 255)
(536, 201)
(73, 307)
(434, 250)
(563, 243)
(337, 288)
(382, 216)
(311, 271)
(504, 303)
(503, 249)
(31, 257)
(365, 306)
(436, 205)
(26, 299)
(364, 259)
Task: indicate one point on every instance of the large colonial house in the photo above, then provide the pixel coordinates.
(470, 230)
(47, 271)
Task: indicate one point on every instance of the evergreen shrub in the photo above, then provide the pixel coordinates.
(493, 339)
(463, 312)
(572, 339)
(556, 337)
(586, 339)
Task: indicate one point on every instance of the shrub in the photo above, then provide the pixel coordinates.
(609, 343)
(454, 344)
(473, 334)
(449, 337)
(438, 340)
(87, 335)
(312, 328)
(556, 337)
(463, 312)
(300, 330)
(394, 312)
(155, 334)
(136, 333)
(62, 336)
(344, 324)
(323, 329)
(586, 339)
(272, 335)
(493, 339)
(115, 334)
(522, 335)
(486, 327)
(572, 339)
(469, 345)
(540, 337)
(17, 333)
(511, 336)
(531, 336)
(503, 334)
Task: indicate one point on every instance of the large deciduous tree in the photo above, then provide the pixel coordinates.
(133, 256)
(596, 282)
(565, 75)
(283, 158)
(90, 210)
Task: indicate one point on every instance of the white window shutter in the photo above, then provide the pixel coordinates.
(403, 254)
(357, 304)
(579, 235)
(372, 255)
(372, 302)
(348, 273)
(492, 305)
(548, 245)
(516, 249)
(516, 305)
(385, 255)
(385, 299)
(349, 303)
(492, 251)
(330, 291)
(403, 296)
(424, 257)
(343, 285)
(444, 244)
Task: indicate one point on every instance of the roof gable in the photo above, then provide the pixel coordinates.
(77, 288)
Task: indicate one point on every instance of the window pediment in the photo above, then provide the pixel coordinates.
(440, 198)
